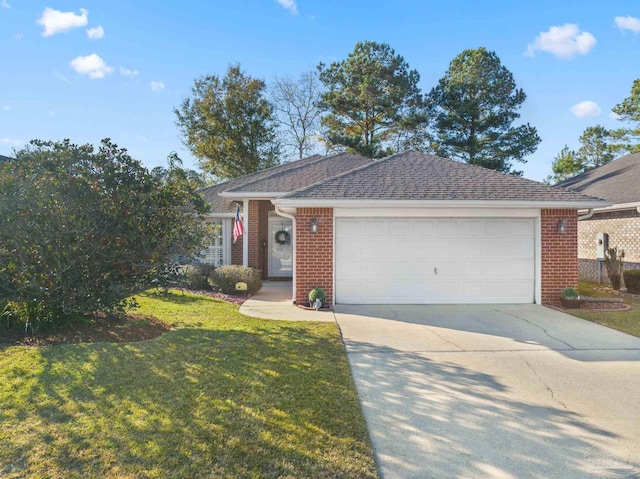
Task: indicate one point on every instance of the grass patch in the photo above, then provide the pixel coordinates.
(625, 321)
(220, 396)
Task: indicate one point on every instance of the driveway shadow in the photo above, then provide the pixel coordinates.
(431, 419)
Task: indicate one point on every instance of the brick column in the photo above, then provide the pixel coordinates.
(314, 253)
(559, 253)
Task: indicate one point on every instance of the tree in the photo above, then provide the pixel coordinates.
(373, 100)
(296, 107)
(628, 139)
(228, 124)
(595, 150)
(565, 165)
(82, 229)
(475, 104)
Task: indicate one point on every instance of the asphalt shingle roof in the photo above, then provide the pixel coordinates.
(418, 176)
(225, 205)
(617, 181)
(304, 174)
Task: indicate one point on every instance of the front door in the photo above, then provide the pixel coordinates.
(280, 247)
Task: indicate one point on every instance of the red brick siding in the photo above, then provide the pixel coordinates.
(236, 248)
(559, 254)
(314, 253)
(258, 232)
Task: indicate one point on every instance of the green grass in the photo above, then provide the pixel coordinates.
(221, 396)
(625, 321)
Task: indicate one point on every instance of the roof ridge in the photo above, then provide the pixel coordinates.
(449, 166)
(298, 167)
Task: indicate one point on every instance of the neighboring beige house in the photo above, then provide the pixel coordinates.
(619, 183)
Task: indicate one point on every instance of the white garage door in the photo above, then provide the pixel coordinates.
(434, 260)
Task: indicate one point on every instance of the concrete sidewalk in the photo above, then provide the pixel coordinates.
(274, 301)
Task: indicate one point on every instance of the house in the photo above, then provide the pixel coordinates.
(618, 183)
(5, 158)
(410, 228)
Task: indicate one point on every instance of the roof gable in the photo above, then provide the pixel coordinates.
(413, 176)
(616, 181)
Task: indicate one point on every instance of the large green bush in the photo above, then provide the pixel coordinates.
(225, 278)
(196, 276)
(82, 229)
(632, 280)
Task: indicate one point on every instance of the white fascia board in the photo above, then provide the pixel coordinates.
(267, 195)
(337, 203)
(617, 206)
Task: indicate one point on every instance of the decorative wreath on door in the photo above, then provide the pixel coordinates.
(282, 237)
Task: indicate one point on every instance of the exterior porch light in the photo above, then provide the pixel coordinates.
(313, 226)
(562, 226)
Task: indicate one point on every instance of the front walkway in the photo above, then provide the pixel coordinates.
(274, 301)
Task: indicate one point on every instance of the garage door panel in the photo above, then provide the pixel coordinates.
(486, 269)
(394, 260)
(490, 291)
(375, 249)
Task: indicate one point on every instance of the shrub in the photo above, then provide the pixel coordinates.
(632, 280)
(225, 278)
(84, 228)
(613, 261)
(196, 276)
(570, 293)
(316, 293)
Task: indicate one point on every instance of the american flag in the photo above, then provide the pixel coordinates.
(238, 227)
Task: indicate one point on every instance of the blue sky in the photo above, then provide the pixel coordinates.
(56, 82)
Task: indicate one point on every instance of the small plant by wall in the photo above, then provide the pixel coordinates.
(613, 260)
(632, 280)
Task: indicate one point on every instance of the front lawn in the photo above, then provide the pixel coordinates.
(220, 396)
(625, 321)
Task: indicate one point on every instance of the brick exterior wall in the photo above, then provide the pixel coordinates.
(559, 254)
(314, 253)
(623, 228)
(236, 248)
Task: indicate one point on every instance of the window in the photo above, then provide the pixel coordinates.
(217, 251)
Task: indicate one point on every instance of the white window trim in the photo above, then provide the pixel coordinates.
(227, 238)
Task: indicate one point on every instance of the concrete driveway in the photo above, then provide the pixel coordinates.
(494, 391)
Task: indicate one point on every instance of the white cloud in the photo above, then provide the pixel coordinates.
(586, 109)
(7, 108)
(157, 86)
(10, 141)
(628, 23)
(564, 41)
(289, 5)
(614, 116)
(95, 33)
(92, 65)
(125, 72)
(55, 21)
(5, 4)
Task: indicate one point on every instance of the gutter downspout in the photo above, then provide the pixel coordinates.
(589, 214)
(293, 246)
(638, 209)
